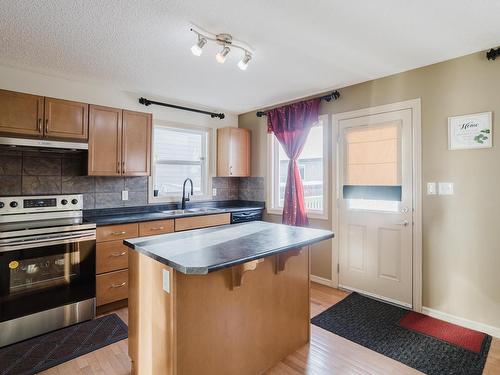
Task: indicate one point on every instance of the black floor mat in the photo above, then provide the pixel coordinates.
(45, 351)
(374, 325)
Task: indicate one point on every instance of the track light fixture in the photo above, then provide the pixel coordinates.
(197, 48)
(243, 64)
(221, 56)
(227, 43)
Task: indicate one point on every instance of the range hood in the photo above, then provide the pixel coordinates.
(42, 143)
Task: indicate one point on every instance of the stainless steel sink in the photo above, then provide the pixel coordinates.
(173, 212)
(204, 209)
(200, 210)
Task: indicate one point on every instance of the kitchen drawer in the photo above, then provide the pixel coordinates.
(150, 228)
(111, 287)
(185, 223)
(117, 232)
(111, 256)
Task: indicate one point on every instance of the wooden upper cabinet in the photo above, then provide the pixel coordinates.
(105, 141)
(233, 152)
(21, 113)
(66, 119)
(136, 151)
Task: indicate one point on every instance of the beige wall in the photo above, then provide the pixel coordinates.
(461, 233)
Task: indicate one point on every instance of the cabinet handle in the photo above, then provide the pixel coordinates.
(118, 254)
(231, 170)
(118, 285)
(46, 125)
(119, 233)
(158, 228)
(123, 167)
(39, 125)
(118, 167)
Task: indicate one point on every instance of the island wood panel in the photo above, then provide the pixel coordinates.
(21, 113)
(111, 287)
(152, 328)
(111, 256)
(204, 326)
(66, 119)
(150, 228)
(136, 148)
(105, 141)
(193, 222)
(117, 232)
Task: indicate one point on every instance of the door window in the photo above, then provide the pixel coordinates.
(372, 167)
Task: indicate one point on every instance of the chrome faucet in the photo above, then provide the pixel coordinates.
(184, 198)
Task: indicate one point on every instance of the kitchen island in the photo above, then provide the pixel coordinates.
(232, 299)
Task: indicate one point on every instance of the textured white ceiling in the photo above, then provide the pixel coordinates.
(301, 47)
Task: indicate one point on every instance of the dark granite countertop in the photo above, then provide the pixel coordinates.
(149, 213)
(206, 250)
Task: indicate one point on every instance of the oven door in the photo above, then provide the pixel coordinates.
(42, 272)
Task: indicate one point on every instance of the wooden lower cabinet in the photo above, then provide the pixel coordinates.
(111, 287)
(112, 256)
(194, 222)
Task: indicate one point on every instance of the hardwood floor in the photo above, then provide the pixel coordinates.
(325, 354)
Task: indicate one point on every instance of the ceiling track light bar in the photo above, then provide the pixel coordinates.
(327, 98)
(493, 53)
(224, 40)
(148, 102)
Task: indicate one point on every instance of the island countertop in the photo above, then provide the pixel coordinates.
(206, 250)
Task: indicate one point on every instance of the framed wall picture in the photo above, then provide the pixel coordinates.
(470, 131)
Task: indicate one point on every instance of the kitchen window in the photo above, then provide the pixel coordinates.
(179, 153)
(312, 167)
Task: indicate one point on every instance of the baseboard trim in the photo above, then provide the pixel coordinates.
(323, 281)
(471, 324)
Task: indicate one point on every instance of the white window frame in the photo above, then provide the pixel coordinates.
(273, 178)
(207, 170)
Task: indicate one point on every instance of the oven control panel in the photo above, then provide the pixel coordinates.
(28, 204)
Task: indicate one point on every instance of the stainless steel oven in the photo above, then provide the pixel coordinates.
(47, 266)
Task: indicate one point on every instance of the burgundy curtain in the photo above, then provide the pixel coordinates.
(291, 125)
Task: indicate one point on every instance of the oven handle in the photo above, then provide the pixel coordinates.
(20, 245)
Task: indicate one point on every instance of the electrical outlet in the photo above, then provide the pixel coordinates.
(214, 192)
(124, 195)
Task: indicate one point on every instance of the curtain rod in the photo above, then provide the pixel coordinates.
(148, 102)
(328, 98)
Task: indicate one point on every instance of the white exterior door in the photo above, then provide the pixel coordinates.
(375, 205)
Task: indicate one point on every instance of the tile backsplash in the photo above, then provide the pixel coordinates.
(40, 172)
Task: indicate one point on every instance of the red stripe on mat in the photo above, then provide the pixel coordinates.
(456, 335)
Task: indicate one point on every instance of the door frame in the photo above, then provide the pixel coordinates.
(415, 106)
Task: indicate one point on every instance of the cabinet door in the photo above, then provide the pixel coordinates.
(223, 156)
(239, 153)
(66, 119)
(105, 140)
(21, 113)
(136, 154)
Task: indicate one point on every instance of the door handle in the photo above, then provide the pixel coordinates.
(404, 223)
(46, 125)
(39, 125)
(118, 285)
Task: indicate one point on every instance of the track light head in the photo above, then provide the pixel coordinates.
(221, 56)
(243, 64)
(197, 48)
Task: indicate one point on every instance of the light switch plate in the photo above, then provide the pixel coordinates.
(445, 188)
(166, 281)
(431, 188)
(124, 195)
(214, 192)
